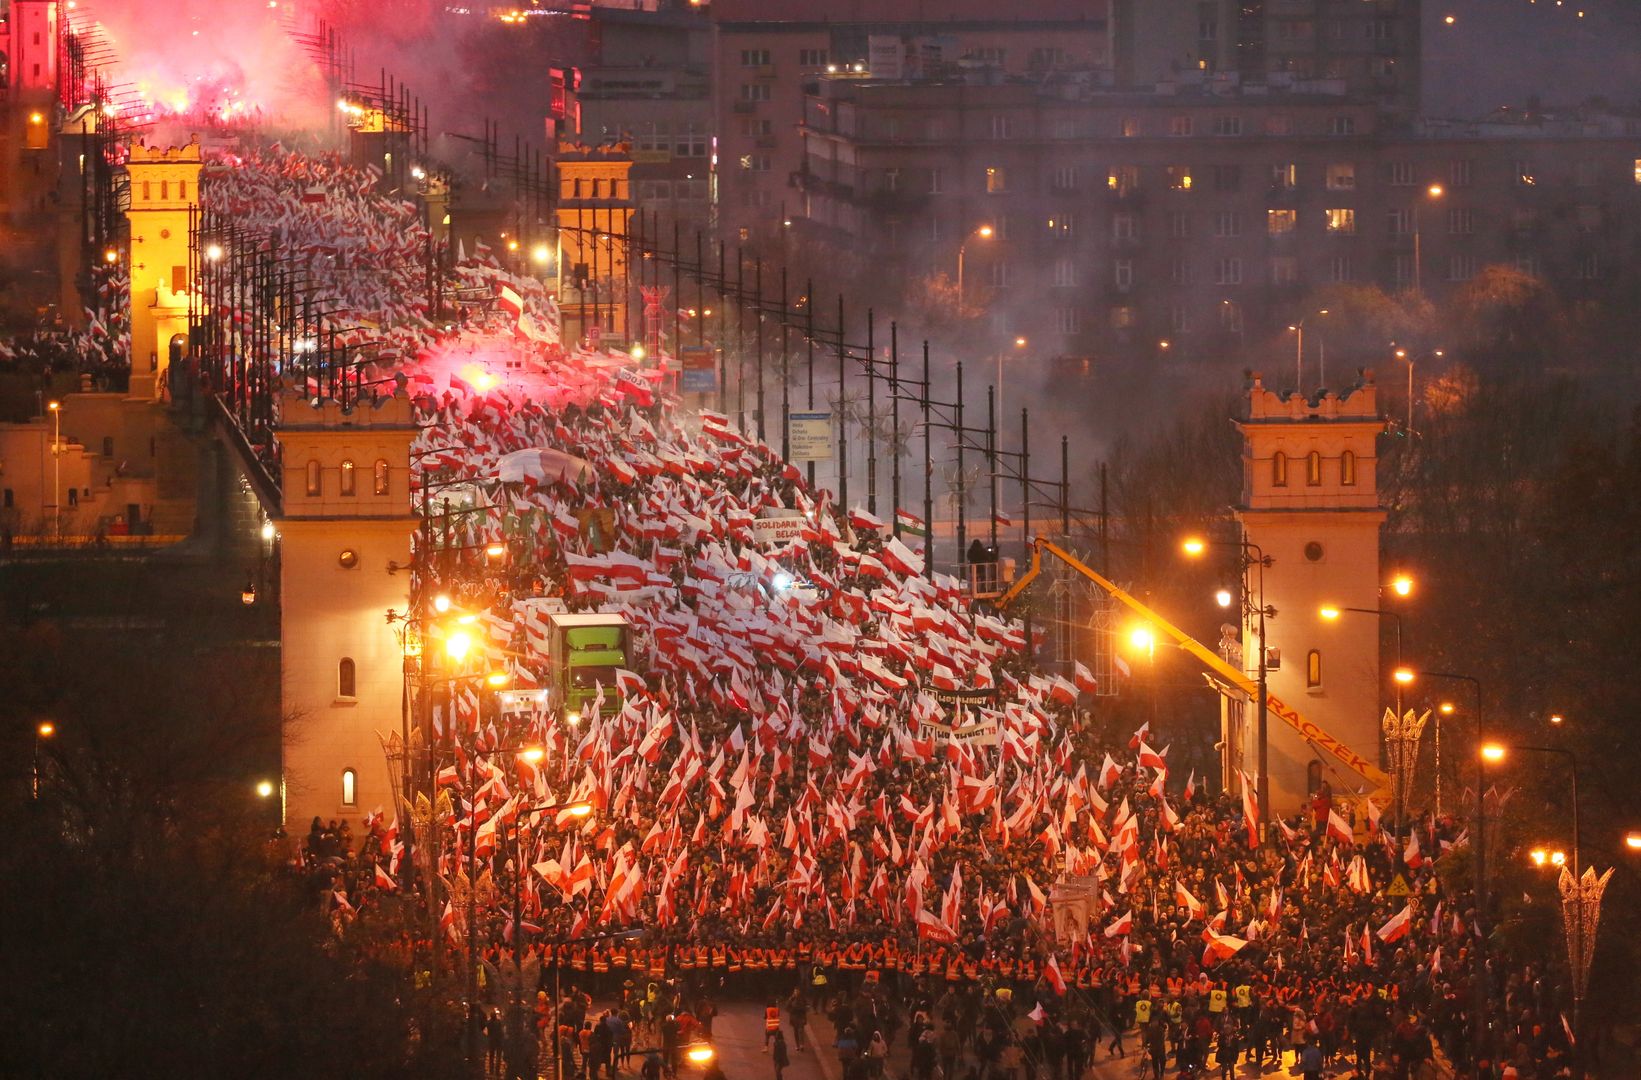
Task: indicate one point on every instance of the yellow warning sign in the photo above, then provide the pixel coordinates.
(1398, 887)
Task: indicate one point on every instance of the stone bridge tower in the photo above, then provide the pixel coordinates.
(1310, 501)
(345, 534)
(164, 193)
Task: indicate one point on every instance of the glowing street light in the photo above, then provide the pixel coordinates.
(580, 809)
(498, 679)
(213, 252)
(1556, 719)
(1492, 753)
(264, 789)
(457, 645)
(1143, 638)
(532, 755)
(1633, 841)
(441, 603)
(1403, 675)
(984, 232)
(1402, 585)
(269, 531)
(1331, 614)
(1194, 546)
(1223, 598)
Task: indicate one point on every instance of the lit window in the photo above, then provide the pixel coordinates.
(1279, 469)
(1313, 469)
(347, 681)
(996, 180)
(315, 482)
(381, 477)
(1347, 468)
(1179, 177)
(1342, 222)
(350, 788)
(1281, 222)
(1638, 170)
(1313, 669)
(347, 478)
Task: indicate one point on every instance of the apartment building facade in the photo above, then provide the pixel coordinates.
(1198, 215)
(1371, 46)
(769, 54)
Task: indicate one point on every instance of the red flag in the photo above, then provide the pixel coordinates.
(930, 928)
(1339, 828)
(383, 881)
(1052, 973)
(1398, 926)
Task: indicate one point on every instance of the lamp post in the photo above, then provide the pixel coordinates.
(1252, 555)
(45, 729)
(1480, 997)
(56, 409)
(1403, 354)
(1575, 895)
(533, 755)
(1434, 191)
(1298, 330)
(984, 232)
(1479, 843)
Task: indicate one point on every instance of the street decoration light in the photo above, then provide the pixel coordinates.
(1402, 734)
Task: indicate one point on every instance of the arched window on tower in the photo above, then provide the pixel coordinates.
(1313, 469)
(1279, 469)
(347, 678)
(1313, 669)
(1347, 468)
(316, 484)
(381, 477)
(347, 485)
(350, 787)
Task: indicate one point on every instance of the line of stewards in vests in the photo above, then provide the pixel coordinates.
(604, 965)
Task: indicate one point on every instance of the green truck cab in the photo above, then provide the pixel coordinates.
(584, 650)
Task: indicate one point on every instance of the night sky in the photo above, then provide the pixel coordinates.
(1499, 52)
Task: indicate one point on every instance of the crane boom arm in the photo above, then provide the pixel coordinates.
(1306, 729)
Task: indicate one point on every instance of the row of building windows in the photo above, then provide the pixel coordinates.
(1313, 469)
(1229, 224)
(347, 483)
(1284, 270)
(1282, 176)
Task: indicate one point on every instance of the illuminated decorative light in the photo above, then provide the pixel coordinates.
(1223, 598)
(264, 788)
(268, 531)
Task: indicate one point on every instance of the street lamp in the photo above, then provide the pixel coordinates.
(56, 410)
(1633, 841)
(1403, 354)
(1494, 753)
(45, 729)
(984, 232)
(1434, 191)
(264, 789)
(1251, 555)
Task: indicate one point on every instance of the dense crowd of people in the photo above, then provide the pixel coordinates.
(781, 807)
